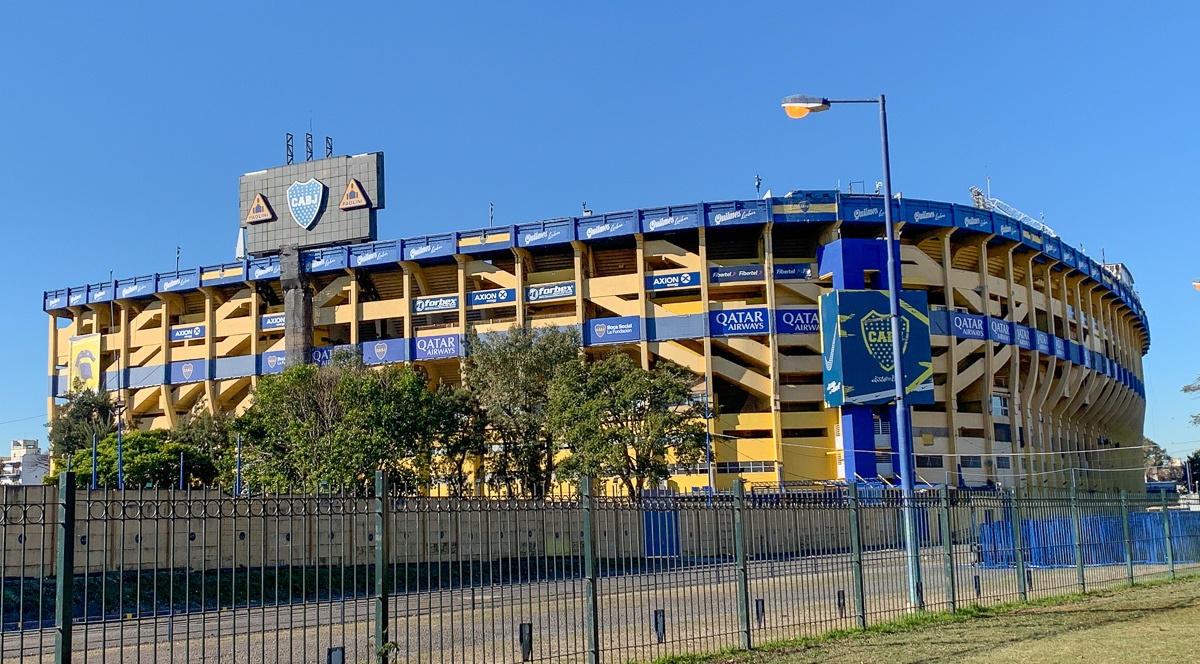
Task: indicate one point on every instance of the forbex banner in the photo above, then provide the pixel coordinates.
(856, 344)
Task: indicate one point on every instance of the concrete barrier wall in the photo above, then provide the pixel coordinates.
(206, 530)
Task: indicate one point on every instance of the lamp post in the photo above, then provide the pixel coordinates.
(798, 106)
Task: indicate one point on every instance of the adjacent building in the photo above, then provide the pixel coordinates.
(27, 465)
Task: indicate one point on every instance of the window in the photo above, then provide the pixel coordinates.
(971, 462)
(728, 467)
(1000, 406)
(1003, 433)
(929, 461)
(1003, 463)
(882, 427)
(883, 457)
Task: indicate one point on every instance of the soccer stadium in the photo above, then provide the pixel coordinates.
(1022, 355)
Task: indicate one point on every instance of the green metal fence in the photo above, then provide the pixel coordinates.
(378, 576)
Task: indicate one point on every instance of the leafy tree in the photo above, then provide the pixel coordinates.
(150, 459)
(336, 425)
(212, 434)
(510, 373)
(460, 428)
(622, 421)
(85, 413)
(1154, 454)
(1194, 389)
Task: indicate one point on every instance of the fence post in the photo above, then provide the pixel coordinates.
(739, 553)
(1019, 546)
(381, 567)
(589, 571)
(1168, 545)
(64, 569)
(1128, 538)
(856, 560)
(1077, 536)
(948, 548)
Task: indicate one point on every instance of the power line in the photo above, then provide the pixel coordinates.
(22, 419)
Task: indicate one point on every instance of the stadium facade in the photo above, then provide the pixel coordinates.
(1031, 374)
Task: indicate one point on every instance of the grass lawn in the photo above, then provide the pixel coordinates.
(1142, 624)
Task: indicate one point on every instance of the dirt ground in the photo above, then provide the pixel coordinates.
(1150, 624)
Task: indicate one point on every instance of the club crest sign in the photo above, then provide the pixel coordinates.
(305, 200)
(599, 329)
(877, 337)
(380, 350)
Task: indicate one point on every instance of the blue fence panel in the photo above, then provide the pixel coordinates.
(661, 533)
(1051, 543)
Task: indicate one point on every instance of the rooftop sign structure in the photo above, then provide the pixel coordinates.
(317, 203)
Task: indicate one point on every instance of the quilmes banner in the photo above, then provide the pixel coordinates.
(856, 344)
(85, 362)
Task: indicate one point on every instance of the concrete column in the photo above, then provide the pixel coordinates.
(210, 348)
(255, 333)
(643, 299)
(580, 282)
(297, 307)
(355, 308)
(768, 243)
(710, 394)
(52, 365)
(520, 293)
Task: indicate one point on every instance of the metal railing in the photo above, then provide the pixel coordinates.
(378, 576)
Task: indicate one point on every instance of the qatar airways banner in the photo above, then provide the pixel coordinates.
(739, 322)
(804, 320)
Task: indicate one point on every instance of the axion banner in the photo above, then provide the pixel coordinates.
(856, 342)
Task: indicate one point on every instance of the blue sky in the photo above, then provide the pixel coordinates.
(124, 128)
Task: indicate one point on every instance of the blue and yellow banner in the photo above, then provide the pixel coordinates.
(83, 366)
(856, 343)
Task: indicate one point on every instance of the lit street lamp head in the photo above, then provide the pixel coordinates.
(798, 106)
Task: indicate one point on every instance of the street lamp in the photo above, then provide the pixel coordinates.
(798, 106)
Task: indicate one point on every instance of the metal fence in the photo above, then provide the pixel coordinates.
(377, 576)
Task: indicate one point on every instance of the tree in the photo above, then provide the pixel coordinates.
(1154, 454)
(1194, 389)
(460, 430)
(510, 373)
(336, 425)
(212, 434)
(86, 413)
(150, 460)
(619, 420)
